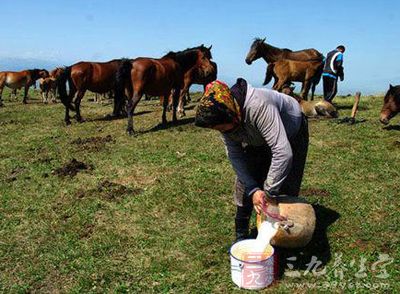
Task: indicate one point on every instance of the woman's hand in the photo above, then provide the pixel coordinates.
(259, 201)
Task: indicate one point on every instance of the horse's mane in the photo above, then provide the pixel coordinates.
(188, 51)
(395, 91)
(188, 56)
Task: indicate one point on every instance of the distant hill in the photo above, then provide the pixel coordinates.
(16, 64)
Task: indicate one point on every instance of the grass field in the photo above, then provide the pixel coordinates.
(154, 213)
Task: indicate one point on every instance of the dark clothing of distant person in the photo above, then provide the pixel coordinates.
(333, 69)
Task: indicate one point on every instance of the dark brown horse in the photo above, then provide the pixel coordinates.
(194, 76)
(260, 49)
(271, 54)
(391, 104)
(287, 71)
(48, 86)
(19, 79)
(158, 77)
(97, 77)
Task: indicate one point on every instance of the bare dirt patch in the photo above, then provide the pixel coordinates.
(93, 144)
(14, 174)
(109, 191)
(314, 192)
(71, 168)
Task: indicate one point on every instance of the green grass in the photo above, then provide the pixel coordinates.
(167, 223)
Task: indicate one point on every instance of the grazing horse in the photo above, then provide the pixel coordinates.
(286, 71)
(194, 76)
(17, 80)
(391, 104)
(48, 85)
(97, 77)
(271, 54)
(158, 77)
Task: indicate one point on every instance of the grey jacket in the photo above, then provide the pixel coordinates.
(271, 118)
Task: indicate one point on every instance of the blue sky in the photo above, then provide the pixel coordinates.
(68, 31)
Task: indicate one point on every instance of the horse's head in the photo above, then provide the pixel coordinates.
(391, 104)
(207, 68)
(38, 73)
(56, 73)
(43, 73)
(255, 50)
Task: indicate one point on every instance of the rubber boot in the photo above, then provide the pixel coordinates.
(242, 221)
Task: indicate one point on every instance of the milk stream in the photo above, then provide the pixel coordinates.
(266, 232)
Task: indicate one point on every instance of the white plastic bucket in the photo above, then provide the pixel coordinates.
(253, 275)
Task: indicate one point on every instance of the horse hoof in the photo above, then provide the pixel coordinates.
(67, 123)
(131, 133)
(81, 120)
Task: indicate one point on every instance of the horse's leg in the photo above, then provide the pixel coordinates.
(170, 99)
(53, 95)
(45, 96)
(77, 102)
(181, 102)
(278, 86)
(132, 102)
(26, 93)
(313, 90)
(175, 101)
(305, 89)
(275, 83)
(165, 101)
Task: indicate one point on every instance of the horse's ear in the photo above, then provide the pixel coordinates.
(390, 87)
(263, 40)
(202, 45)
(209, 48)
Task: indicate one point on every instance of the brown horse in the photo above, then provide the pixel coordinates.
(194, 76)
(287, 71)
(391, 104)
(271, 54)
(48, 86)
(19, 79)
(260, 49)
(158, 77)
(97, 77)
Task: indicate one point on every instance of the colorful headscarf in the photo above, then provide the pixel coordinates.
(217, 106)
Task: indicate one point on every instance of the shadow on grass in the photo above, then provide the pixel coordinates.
(392, 128)
(344, 107)
(318, 247)
(168, 125)
(109, 117)
(349, 120)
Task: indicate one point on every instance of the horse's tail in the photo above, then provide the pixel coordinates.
(123, 74)
(122, 77)
(269, 74)
(64, 77)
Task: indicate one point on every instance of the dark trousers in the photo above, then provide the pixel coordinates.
(330, 88)
(259, 161)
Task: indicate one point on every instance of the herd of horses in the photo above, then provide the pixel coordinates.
(170, 78)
